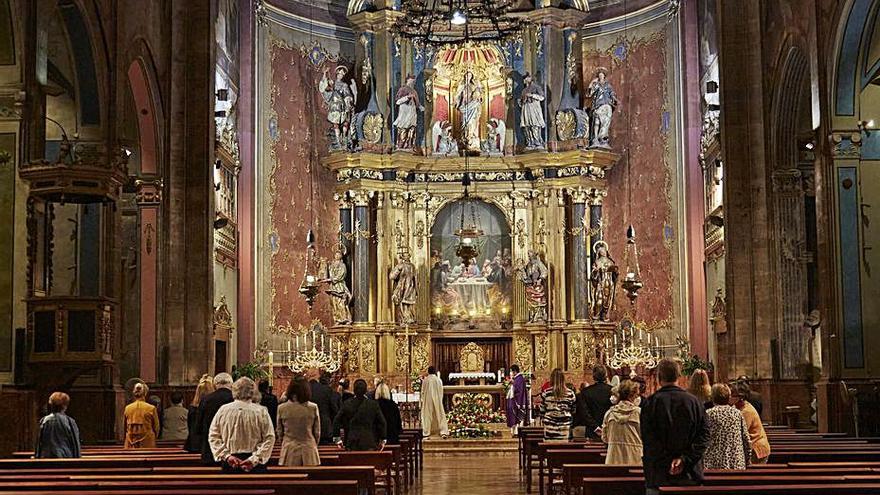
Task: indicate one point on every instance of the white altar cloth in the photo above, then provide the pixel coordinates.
(473, 292)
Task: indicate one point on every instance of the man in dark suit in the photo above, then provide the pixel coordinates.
(362, 421)
(323, 396)
(268, 400)
(593, 402)
(675, 433)
(208, 409)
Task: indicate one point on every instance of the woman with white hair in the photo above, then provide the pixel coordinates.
(241, 434)
(391, 413)
(141, 420)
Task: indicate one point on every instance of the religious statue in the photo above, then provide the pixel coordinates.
(469, 101)
(495, 143)
(340, 99)
(603, 282)
(534, 276)
(719, 313)
(408, 106)
(604, 101)
(444, 143)
(405, 289)
(532, 116)
(340, 296)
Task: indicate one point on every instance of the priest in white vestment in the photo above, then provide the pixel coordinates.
(433, 415)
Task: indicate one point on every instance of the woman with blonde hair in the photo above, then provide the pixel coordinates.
(141, 420)
(701, 388)
(194, 439)
(621, 426)
(557, 404)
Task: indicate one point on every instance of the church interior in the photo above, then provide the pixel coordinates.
(369, 188)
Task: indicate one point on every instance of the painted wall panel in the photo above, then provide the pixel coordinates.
(848, 208)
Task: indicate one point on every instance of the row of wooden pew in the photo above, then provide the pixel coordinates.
(801, 462)
(166, 469)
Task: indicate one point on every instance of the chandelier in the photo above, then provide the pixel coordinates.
(312, 348)
(634, 346)
(456, 22)
(632, 279)
(468, 233)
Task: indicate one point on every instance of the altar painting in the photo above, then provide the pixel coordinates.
(476, 294)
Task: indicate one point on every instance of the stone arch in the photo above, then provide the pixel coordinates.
(88, 50)
(146, 94)
(855, 33)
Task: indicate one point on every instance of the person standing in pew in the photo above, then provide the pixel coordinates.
(557, 404)
(241, 434)
(344, 393)
(59, 434)
(700, 387)
(675, 433)
(754, 397)
(174, 419)
(594, 402)
(322, 395)
(268, 400)
(193, 436)
(360, 424)
(391, 413)
(208, 408)
(729, 446)
(298, 426)
(621, 426)
(760, 445)
(141, 420)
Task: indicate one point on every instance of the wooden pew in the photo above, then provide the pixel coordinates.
(280, 487)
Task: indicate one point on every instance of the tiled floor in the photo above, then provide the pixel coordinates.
(466, 475)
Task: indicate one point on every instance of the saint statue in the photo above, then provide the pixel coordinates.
(469, 101)
(408, 106)
(340, 296)
(532, 116)
(497, 130)
(603, 282)
(534, 276)
(340, 99)
(604, 101)
(405, 289)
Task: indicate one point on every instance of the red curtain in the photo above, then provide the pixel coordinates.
(447, 352)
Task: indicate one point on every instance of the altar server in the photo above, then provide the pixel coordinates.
(433, 415)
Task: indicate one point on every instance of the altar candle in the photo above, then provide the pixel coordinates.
(288, 345)
(313, 338)
(615, 340)
(271, 366)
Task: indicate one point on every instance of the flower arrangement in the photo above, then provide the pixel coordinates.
(468, 418)
(415, 381)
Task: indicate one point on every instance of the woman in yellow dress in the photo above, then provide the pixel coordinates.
(141, 421)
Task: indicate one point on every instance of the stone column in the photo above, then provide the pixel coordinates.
(579, 253)
(361, 267)
(794, 340)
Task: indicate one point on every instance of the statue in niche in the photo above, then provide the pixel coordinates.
(603, 282)
(444, 142)
(604, 101)
(340, 99)
(719, 313)
(408, 106)
(469, 101)
(533, 275)
(340, 296)
(405, 288)
(532, 117)
(495, 143)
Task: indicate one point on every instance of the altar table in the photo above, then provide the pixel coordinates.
(473, 292)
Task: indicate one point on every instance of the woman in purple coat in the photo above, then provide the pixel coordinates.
(517, 400)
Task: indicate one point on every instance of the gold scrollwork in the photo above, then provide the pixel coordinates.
(420, 234)
(521, 234)
(420, 353)
(575, 351)
(566, 127)
(523, 350)
(542, 351)
(373, 128)
(368, 353)
(354, 358)
(401, 352)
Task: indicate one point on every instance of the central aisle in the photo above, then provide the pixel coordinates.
(476, 473)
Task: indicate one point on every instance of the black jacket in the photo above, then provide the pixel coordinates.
(323, 396)
(364, 425)
(592, 404)
(208, 408)
(270, 402)
(193, 437)
(673, 424)
(394, 424)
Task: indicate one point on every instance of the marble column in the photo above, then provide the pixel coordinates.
(579, 253)
(363, 233)
(345, 239)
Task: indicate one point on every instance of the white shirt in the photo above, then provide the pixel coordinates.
(241, 427)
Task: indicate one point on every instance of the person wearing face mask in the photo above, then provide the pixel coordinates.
(621, 425)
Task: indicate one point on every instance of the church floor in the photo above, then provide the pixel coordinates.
(470, 474)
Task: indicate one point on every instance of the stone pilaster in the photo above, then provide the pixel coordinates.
(362, 270)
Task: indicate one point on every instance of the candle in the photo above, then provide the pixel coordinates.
(271, 366)
(313, 338)
(615, 340)
(288, 344)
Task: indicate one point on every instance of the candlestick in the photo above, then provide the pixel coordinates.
(271, 367)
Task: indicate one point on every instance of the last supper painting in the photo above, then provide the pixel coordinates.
(420, 247)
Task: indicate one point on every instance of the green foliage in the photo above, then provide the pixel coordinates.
(250, 369)
(690, 364)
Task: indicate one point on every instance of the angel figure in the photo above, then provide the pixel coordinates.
(340, 98)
